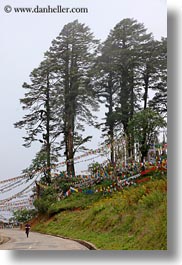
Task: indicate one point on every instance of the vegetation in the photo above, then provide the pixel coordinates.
(22, 216)
(143, 126)
(133, 219)
(78, 75)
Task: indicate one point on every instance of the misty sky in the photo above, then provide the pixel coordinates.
(25, 38)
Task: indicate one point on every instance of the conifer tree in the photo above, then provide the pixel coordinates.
(125, 43)
(107, 91)
(159, 101)
(72, 53)
(40, 122)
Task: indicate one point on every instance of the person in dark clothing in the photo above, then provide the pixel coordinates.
(27, 229)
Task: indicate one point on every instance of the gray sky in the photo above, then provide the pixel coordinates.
(25, 38)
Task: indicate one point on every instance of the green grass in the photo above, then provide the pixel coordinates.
(133, 219)
(75, 201)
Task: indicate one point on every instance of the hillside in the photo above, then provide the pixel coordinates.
(132, 219)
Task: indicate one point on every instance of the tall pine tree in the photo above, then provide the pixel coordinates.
(107, 91)
(159, 101)
(40, 121)
(72, 53)
(125, 42)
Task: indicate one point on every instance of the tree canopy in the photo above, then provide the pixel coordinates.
(79, 75)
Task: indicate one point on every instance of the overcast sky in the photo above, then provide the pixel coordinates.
(25, 38)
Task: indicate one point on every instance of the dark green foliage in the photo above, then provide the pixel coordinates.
(73, 52)
(48, 197)
(40, 123)
(78, 75)
(144, 125)
(23, 216)
(159, 101)
(131, 64)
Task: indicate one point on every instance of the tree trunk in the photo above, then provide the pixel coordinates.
(144, 155)
(146, 81)
(112, 145)
(48, 146)
(70, 153)
(69, 112)
(111, 123)
(144, 148)
(131, 136)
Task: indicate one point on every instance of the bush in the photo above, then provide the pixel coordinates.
(22, 216)
(48, 197)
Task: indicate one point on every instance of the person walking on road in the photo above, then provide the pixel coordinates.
(27, 229)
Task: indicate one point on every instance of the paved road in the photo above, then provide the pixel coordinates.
(36, 241)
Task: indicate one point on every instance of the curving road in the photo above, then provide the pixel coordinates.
(36, 241)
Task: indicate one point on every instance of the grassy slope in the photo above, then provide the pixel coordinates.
(133, 219)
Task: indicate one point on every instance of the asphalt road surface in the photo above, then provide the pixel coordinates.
(35, 241)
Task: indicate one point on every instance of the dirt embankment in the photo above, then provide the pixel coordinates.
(3, 239)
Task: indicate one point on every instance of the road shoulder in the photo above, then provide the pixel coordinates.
(4, 239)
